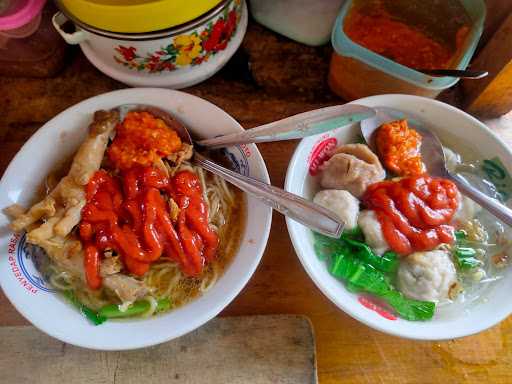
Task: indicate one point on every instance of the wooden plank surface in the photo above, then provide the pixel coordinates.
(492, 96)
(497, 12)
(270, 88)
(245, 350)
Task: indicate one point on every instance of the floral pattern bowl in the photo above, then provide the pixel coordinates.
(175, 58)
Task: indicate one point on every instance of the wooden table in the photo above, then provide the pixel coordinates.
(284, 78)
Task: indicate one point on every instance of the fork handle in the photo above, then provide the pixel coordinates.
(304, 211)
(499, 210)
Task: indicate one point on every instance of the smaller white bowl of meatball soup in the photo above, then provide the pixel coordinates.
(417, 258)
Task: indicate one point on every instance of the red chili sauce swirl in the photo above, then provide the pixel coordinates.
(414, 212)
(129, 215)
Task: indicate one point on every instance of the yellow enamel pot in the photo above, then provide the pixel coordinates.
(174, 57)
(135, 16)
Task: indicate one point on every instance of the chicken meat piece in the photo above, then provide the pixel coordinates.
(176, 158)
(427, 276)
(14, 211)
(127, 288)
(110, 266)
(70, 218)
(43, 232)
(174, 210)
(65, 202)
(50, 221)
(43, 209)
(90, 154)
(352, 167)
(67, 255)
(342, 203)
(69, 258)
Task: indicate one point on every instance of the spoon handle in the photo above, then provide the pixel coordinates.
(295, 127)
(460, 73)
(497, 209)
(304, 211)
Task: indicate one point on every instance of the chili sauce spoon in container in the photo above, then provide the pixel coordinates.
(434, 159)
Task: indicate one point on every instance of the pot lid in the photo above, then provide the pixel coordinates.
(135, 16)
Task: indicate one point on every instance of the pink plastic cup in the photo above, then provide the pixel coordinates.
(19, 18)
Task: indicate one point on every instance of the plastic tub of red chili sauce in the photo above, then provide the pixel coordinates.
(377, 43)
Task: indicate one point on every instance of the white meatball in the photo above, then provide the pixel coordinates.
(452, 159)
(427, 275)
(466, 210)
(342, 203)
(372, 231)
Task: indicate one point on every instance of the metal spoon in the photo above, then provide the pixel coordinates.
(433, 156)
(460, 73)
(295, 127)
(304, 211)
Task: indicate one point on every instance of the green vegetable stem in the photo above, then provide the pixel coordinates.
(461, 235)
(388, 262)
(464, 256)
(90, 314)
(112, 311)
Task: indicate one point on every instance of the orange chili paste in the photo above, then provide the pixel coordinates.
(130, 216)
(380, 33)
(414, 212)
(142, 139)
(399, 148)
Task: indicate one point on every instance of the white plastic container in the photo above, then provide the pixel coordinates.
(306, 21)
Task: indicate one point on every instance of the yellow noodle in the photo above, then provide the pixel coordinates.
(60, 280)
(152, 306)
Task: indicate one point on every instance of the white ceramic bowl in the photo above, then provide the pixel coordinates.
(444, 119)
(57, 140)
(175, 58)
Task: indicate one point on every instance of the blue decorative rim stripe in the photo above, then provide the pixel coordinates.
(34, 280)
(241, 165)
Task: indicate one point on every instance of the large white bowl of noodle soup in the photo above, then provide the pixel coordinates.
(475, 312)
(57, 140)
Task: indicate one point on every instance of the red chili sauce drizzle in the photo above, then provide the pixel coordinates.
(130, 216)
(414, 212)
